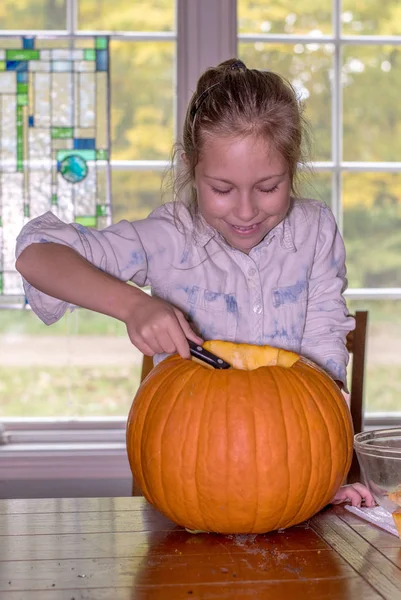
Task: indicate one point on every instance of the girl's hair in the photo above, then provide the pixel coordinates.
(231, 100)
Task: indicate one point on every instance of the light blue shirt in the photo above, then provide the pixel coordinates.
(288, 292)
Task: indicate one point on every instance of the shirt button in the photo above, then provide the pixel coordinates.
(252, 272)
(257, 308)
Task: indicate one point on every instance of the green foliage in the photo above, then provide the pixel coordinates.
(67, 391)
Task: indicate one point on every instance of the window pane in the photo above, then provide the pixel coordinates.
(372, 228)
(137, 193)
(371, 18)
(307, 67)
(372, 109)
(84, 365)
(316, 185)
(142, 99)
(33, 14)
(383, 365)
(126, 15)
(284, 16)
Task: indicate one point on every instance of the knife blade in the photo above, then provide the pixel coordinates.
(210, 359)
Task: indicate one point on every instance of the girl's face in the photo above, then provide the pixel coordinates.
(243, 189)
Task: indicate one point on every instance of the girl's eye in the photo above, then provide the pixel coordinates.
(271, 190)
(222, 192)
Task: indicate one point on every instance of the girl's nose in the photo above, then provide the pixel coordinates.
(245, 209)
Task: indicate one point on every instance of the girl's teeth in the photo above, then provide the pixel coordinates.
(245, 228)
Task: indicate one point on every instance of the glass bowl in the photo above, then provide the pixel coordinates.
(379, 455)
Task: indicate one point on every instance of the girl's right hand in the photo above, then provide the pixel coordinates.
(155, 326)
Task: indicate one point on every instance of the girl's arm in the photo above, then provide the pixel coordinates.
(60, 272)
(65, 264)
(327, 318)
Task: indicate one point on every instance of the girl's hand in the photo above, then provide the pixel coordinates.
(155, 326)
(354, 494)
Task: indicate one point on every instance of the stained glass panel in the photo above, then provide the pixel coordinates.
(54, 139)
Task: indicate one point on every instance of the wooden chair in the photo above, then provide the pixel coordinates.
(356, 345)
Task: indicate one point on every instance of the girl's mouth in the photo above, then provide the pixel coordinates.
(245, 230)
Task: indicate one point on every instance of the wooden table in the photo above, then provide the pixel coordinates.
(120, 549)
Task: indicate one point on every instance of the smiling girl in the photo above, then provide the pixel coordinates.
(238, 256)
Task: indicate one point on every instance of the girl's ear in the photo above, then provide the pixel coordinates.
(184, 158)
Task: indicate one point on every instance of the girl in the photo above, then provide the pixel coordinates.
(238, 257)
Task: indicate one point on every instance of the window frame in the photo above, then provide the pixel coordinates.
(337, 166)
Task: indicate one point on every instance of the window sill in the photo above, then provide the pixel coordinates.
(85, 448)
(66, 449)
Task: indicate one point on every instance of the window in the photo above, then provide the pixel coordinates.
(344, 59)
(344, 62)
(85, 366)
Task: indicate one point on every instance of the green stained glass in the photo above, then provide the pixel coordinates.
(85, 154)
(101, 210)
(101, 43)
(86, 221)
(53, 130)
(22, 88)
(22, 99)
(101, 154)
(20, 138)
(90, 54)
(22, 54)
(62, 133)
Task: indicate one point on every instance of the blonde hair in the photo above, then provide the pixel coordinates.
(231, 100)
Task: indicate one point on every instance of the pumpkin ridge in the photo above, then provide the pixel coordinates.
(286, 440)
(256, 461)
(342, 410)
(299, 383)
(149, 418)
(177, 398)
(323, 421)
(198, 454)
(295, 380)
(335, 415)
(135, 409)
(189, 434)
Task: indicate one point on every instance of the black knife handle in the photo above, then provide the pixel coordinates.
(207, 357)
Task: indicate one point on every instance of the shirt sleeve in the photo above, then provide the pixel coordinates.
(116, 250)
(327, 320)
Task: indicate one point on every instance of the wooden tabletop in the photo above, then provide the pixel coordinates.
(121, 548)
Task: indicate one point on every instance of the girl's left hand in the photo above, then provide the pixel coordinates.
(354, 494)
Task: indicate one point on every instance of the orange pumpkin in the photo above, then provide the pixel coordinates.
(258, 447)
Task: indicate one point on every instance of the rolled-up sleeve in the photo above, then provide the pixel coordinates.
(116, 250)
(327, 318)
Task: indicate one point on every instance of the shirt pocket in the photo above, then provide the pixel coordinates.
(215, 314)
(290, 303)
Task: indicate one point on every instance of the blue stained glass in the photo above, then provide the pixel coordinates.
(17, 65)
(31, 121)
(101, 60)
(22, 77)
(73, 168)
(84, 144)
(28, 43)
